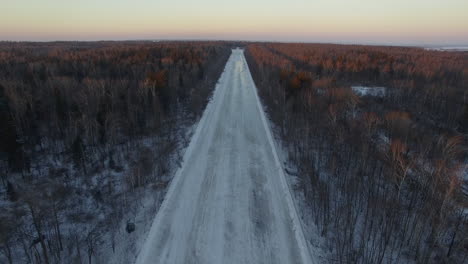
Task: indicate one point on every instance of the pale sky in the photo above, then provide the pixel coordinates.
(414, 22)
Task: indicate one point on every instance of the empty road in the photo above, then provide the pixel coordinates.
(229, 202)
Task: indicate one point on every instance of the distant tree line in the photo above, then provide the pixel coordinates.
(71, 96)
(72, 114)
(383, 175)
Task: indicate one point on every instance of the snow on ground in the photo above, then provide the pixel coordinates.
(147, 202)
(230, 202)
(317, 243)
(100, 204)
(369, 91)
(459, 48)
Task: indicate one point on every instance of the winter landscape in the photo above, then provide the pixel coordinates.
(219, 132)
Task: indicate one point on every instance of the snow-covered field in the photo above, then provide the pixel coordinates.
(369, 91)
(230, 202)
(458, 48)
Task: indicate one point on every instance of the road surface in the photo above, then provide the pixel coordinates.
(229, 202)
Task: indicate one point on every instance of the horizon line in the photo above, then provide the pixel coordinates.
(371, 43)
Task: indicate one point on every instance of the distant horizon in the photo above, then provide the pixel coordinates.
(370, 43)
(386, 22)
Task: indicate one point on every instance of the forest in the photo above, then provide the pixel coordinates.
(86, 129)
(91, 132)
(383, 173)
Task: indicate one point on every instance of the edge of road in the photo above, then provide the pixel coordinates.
(297, 223)
(292, 208)
(176, 179)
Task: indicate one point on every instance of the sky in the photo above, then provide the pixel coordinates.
(395, 22)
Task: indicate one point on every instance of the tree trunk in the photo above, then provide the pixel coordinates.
(37, 225)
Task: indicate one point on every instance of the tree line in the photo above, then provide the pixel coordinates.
(383, 176)
(91, 124)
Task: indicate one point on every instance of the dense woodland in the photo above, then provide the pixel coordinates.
(383, 175)
(86, 126)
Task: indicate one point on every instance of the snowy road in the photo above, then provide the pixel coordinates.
(229, 203)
